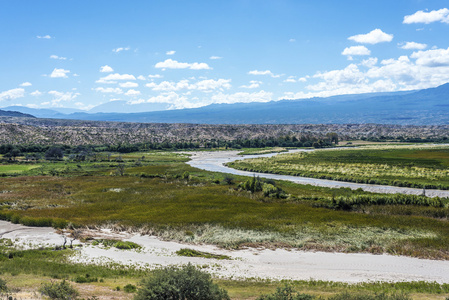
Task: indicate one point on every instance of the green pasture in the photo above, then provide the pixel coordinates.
(407, 166)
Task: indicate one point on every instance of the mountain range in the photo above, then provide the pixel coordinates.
(423, 107)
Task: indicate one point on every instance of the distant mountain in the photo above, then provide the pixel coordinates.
(4, 113)
(120, 106)
(424, 107)
(37, 112)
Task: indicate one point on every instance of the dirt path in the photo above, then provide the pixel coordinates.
(249, 263)
(214, 161)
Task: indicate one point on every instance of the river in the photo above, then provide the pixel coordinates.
(214, 161)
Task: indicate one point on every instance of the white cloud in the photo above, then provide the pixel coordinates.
(413, 46)
(132, 92)
(116, 76)
(47, 37)
(356, 50)
(203, 85)
(141, 77)
(253, 84)
(120, 49)
(266, 72)
(215, 57)
(128, 84)
(373, 37)
(26, 84)
(168, 85)
(423, 69)
(36, 93)
(370, 62)
(211, 84)
(106, 69)
(57, 57)
(155, 76)
(173, 64)
(171, 52)
(12, 94)
(292, 40)
(441, 15)
(109, 90)
(243, 97)
(59, 73)
(432, 58)
(62, 97)
(290, 79)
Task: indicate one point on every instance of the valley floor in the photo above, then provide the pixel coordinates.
(244, 264)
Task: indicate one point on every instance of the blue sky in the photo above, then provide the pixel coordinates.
(80, 54)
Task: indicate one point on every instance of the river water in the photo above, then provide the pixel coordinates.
(214, 161)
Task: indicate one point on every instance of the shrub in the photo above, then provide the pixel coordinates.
(174, 283)
(382, 296)
(61, 291)
(130, 288)
(3, 287)
(286, 293)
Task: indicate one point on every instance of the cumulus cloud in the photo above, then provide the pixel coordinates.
(215, 57)
(173, 64)
(441, 15)
(253, 84)
(141, 77)
(155, 76)
(59, 73)
(109, 90)
(374, 37)
(266, 72)
(62, 97)
(116, 76)
(12, 94)
(128, 84)
(36, 93)
(106, 69)
(432, 58)
(57, 57)
(413, 46)
(120, 49)
(171, 52)
(356, 50)
(243, 97)
(26, 84)
(168, 85)
(132, 92)
(203, 85)
(422, 69)
(47, 37)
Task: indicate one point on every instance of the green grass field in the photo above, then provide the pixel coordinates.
(157, 192)
(16, 168)
(407, 166)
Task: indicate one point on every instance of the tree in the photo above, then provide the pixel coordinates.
(186, 283)
(54, 153)
(60, 291)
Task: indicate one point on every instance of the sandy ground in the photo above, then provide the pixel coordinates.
(213, 161)
(247, 263)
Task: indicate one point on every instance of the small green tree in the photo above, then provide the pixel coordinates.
(60, 291)
(286, 292)
(186, 283)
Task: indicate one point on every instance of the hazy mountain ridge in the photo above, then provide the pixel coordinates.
(423, 107)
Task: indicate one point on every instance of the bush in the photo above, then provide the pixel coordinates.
(286, 293)
(3, 287)
(61, 291)
(130, 288)
(382, 296)
(175, 283)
